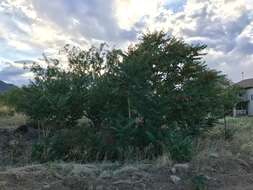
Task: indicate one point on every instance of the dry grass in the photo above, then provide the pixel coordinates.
(10, 119)
(213, 147)
(240, 142)
(163, 161)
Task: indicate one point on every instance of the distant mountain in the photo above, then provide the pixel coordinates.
(4, 87)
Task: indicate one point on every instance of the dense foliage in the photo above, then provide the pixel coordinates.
(154, 98)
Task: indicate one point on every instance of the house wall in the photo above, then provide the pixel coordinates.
(249, 95)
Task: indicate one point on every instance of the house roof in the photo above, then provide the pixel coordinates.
(247, 83)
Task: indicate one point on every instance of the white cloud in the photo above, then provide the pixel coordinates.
(14, 73)
(129, 12)
(224, 25)
(30, 27)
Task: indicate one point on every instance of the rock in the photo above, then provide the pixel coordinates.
(208, 178)
(13, 142)
(175, 179)
(243, 163)
(47, 186)
(105, 174)
(84, 170)
(173, 170)
(27, 131)
(182, 168)
(22, 129)
(126, 170)
(214, 155)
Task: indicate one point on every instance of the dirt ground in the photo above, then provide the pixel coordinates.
(121, 177)
(15, 146)
(208, 172)
(85, 177)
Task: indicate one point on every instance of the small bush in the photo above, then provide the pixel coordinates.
(180, 147)
(199, 182)
(78, 144)
(39, 152)
(85, 143)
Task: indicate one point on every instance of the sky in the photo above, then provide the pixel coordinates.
(29, 28)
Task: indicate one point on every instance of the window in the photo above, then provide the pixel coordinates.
(251, 97)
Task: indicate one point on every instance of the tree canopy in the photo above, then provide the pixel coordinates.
(157, 92)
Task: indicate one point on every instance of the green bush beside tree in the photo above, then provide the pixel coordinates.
(156, 97)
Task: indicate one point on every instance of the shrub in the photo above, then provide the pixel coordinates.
(79, 144)
(85, 143)
(199, 182)
(180, 147)
(158, 95)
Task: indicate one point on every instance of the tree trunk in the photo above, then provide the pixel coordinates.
(129, 107)
(225, 127)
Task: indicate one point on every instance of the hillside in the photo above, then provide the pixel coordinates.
(5, 86)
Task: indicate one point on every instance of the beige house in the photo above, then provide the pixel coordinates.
(245, 107)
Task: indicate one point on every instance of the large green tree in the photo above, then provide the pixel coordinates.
(159, 93)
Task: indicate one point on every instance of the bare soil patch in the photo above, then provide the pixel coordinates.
(222, 170)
